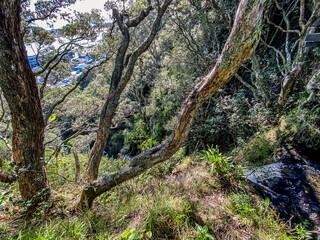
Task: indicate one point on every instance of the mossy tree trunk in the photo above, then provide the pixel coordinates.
(242, 42)
(18, 84)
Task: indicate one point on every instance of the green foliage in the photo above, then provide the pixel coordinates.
(138, 140)
(154, 126)
(221, 165)
(243, 205)
(75, 228)
(259, 214)
(5, 199)
(166, 222)
(186, 49)
(132, 234)
(301, 127)
(177, 205)
(202, 233)
(166, 107)
(258, 151)
(228, 121)
(301, 231)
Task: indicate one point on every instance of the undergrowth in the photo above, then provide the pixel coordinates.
(181, 199)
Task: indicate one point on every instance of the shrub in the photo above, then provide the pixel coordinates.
(221, 165)
(258, 151)
(301, 127)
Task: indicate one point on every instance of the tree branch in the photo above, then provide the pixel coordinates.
(250, 87)
(242, 41)
(2, 107)
(143, 14)
(284, 30)
(277, 52)
(224, 18)
(144, 46)
(301, 16)
(45, 79)
(6, 142)
(78, 81)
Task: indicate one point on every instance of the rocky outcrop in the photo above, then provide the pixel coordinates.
(292, 184)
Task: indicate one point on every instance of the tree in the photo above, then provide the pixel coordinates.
(18, 84)
(20, 89)
(242, 41)
(122, 73)
(293, 52)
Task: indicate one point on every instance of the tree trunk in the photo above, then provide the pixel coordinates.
(242, 41)
(77, 162)
(18, 84)
(291, 78)
(288, 82)
(118, 83)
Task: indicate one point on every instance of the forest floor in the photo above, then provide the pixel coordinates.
(184, 198)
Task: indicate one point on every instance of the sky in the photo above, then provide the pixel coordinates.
(80, 6)
(87, 5)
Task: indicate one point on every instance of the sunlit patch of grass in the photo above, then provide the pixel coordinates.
(259, 215)
(83, 227)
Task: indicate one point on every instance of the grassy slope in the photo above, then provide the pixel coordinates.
(181, 199)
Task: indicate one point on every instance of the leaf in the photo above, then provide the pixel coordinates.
(52, 118)
(136, 235)
(127, 233)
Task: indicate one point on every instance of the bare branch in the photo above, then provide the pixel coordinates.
(277, 52)
(224, 18)
(144, 46)
(283, 30)
(67, 47)
(5, 140)
(79, 131)
(118, 83)
(313, 20)
(78, 81)
(278, 65)
(301, 17)
(121, 54)
(45, 79)
(250, 87)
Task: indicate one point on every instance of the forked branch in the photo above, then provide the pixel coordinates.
(242, 41)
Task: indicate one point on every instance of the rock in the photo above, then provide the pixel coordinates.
(292, 184)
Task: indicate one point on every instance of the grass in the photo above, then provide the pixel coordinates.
(181, 199)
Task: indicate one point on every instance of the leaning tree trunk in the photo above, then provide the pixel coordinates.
(18, 84)
(241, 43)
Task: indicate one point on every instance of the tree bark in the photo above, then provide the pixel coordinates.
(77, 162)
(7, 178)
(118, 82)
(242, 41)
(18, 84)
